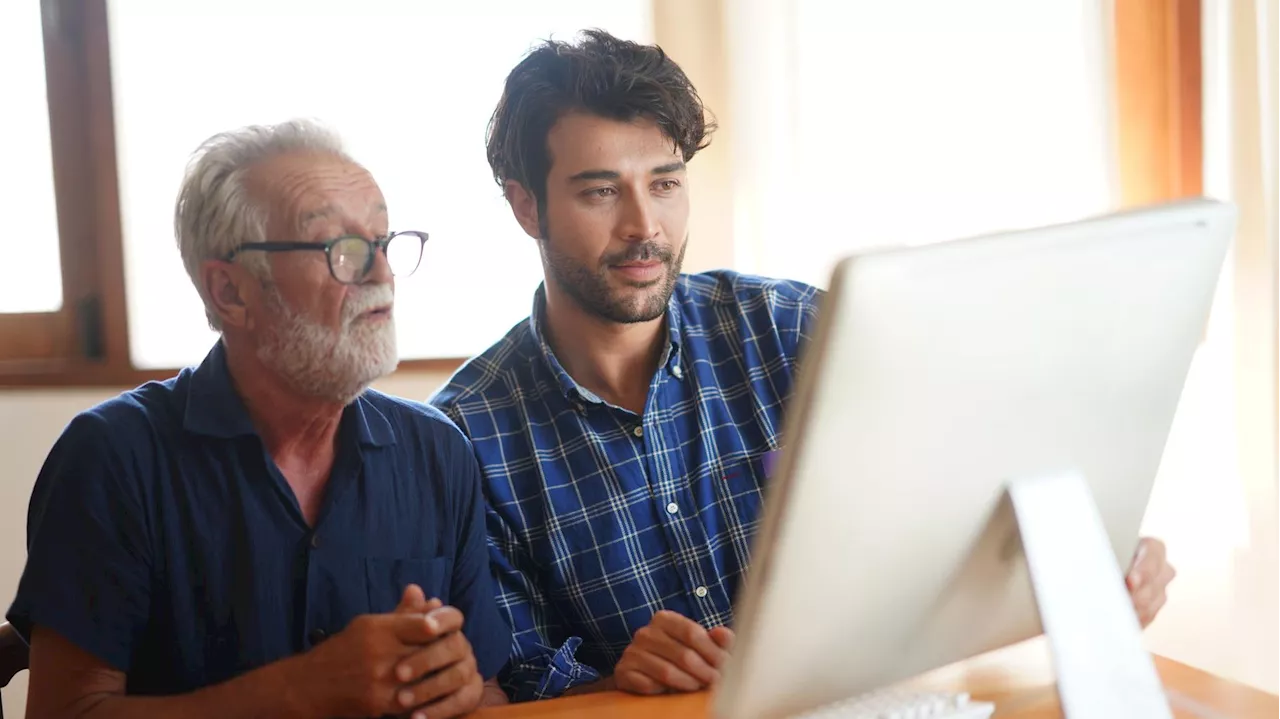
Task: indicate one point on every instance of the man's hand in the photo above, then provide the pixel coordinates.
(413, 601)
(1149, 575)
(452, 685)
(353, 672)
(406, 661)
(672, 653)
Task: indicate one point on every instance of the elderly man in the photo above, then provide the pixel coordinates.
(622, 427)
(262, 535)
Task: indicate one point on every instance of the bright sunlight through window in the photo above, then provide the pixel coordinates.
(410, 86)
(27, 181)
(923, 120)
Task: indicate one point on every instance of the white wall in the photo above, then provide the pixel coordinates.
(29, 423)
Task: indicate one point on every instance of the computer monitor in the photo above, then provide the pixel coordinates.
(938, 375)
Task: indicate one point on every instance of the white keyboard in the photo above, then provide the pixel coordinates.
(900, 704)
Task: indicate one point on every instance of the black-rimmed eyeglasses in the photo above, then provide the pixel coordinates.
(351, 256)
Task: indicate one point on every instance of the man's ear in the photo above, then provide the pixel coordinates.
(524, 206)
(227, 285)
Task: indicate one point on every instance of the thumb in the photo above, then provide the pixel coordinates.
(1135, 577)
(723, 636)
(412, 599)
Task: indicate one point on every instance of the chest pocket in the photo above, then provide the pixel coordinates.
(742, 487)
(387, 578)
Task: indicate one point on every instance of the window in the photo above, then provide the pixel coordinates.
(409, 85)
(32, 238)
(54, 314)
(844, 121)
(923, 120)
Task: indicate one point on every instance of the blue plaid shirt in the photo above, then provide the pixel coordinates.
(598, 517)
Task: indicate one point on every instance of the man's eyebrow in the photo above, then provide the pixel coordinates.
(666, 169)
(328, 210)
(595, 175)
(321, 213)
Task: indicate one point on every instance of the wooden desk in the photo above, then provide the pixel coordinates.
(1018, 679)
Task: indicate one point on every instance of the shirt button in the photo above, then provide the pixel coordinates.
(673, 508)
(638, 431)
(677, 372)
(701, 592)
(316, 636)
(315, 541)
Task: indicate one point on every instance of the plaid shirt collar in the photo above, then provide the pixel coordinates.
(573, 391)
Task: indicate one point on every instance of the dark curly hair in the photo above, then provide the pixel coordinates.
(601, 75)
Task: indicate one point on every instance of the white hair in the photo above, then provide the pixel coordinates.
(215, 214)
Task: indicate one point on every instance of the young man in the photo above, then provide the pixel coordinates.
(262, 535)
(621, 428)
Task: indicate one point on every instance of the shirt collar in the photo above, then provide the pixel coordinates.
(571, 389)
(215, 409)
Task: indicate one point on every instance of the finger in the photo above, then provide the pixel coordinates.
(687, 659)
(445, 620)
(438, 685)
(666, 674)
(1134, 576)
(436, 655)
(1155, 549)
(689, 633)
(415, 629)
(1153, 610)
(1144, 601)
(411, 599)
(455, 705)
(1149, 586)
(409, 628)
(722, 636)
(636, 683)
(1148, 561)
(1142, 596)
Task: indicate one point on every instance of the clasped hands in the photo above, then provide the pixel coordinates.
(413, 662)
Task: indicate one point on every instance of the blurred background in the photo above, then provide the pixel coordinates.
(843, 125)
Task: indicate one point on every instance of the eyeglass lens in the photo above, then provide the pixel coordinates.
(349, 257)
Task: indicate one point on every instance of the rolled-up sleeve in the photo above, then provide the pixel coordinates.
(542, 663)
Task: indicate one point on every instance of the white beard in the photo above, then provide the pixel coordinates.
(319, 361)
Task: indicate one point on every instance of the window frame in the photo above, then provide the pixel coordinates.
(86, 344)
(1159, 104)
(41, 345)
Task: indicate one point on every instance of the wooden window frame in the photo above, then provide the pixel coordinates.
(1158, 100)
(49, 344)
(86, 344)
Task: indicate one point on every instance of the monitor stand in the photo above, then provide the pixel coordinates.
(1102, 669)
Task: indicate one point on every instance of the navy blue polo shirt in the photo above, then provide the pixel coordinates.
(163, 539)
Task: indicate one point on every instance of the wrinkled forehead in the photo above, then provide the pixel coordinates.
(314, 195)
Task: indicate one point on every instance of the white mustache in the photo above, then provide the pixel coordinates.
(365, 298)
